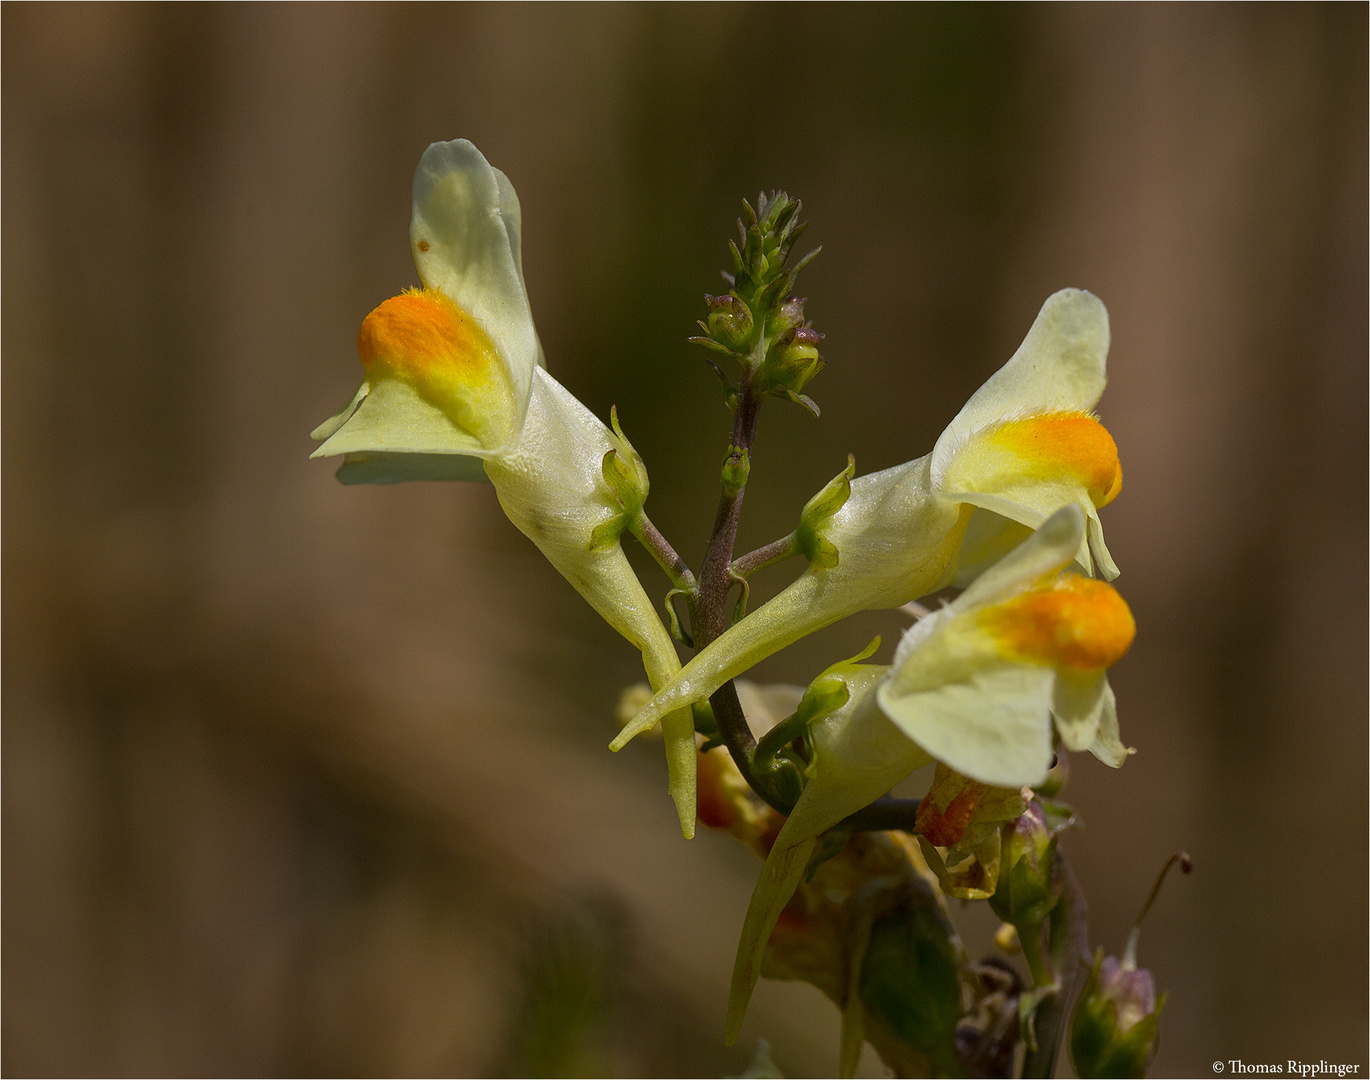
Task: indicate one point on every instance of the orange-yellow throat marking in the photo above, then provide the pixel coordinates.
(424, 339)
(1071, 622)
(1071, 442)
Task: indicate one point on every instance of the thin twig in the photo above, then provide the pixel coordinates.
(776, 551)
(886, 812)
(665, 555)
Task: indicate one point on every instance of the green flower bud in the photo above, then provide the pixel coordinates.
(1114, 1029)
(1028, 887)
(737, 466)
(820, 552)
(788, 315)
(730, 322)
(793, 361)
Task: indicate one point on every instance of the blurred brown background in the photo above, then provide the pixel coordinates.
(301, 779)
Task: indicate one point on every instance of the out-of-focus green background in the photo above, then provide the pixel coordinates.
(301, 779)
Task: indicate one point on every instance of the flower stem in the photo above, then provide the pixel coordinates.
(884, 813)
(709, 612)
(776, 551)
(1030, 938)
(649, 536)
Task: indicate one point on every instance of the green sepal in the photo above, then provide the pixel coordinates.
(821, 552)
(831, 844)
(1026, 895)
(705, 721)
(1093, 1024)
(740, 609)
(673, 620)
(824, 696)
(1028, 1001)
(737, 466)
(710, 343)
(606, 533)
(1059, 816)
(730, 394)
(626, 475)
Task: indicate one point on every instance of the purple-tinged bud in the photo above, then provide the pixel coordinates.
(1028, 885)
(789, 315)
(1114, 1029)
(730, 322)
(793, 361)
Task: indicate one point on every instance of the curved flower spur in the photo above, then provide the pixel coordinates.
(1024, 445)
(454, 389)
(974, 686)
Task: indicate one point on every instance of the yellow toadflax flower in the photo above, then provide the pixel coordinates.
(454, 389)
(975, 683)
(1023, 446)
(975, 687)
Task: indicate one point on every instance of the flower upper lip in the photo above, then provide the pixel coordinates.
(465, 233)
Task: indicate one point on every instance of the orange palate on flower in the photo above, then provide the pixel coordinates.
(1072, 442)
(425, 339)
(943, 828)
(1071, 622)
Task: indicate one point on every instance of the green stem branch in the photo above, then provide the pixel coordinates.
(649, 536)
(777, 551)
(885, 813)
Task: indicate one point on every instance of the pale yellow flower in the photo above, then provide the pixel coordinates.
(454, 390)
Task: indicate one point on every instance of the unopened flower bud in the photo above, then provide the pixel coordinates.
(730, 321)
(788, 315)
(1114, 1029)
(793, 361)
(1028, 886)
(737, 466)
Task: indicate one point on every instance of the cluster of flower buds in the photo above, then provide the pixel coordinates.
(759, 323)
